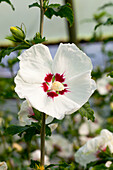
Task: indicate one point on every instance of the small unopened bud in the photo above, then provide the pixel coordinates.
(17, 33)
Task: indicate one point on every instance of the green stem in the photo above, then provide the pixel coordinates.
(43, 116)
(72, 31)
(41, 17)
(27, 42)
(43, 139)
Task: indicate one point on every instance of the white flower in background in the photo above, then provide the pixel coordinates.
(108, 164)
(35, 155)
(55, 87)
(3, 166)
(62, 145)
(103, 84)
(17, 146)
(88, 127)
(24, 114)
(89, 152)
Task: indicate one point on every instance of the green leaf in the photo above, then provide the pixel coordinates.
(36, 4)
(106, 5)
(30, 132)
(9, 50)
(13, 129)
(61, 11)
(86, 111)
(62, 165)
(57, 10)
(110, 74)
(108, 22)
(99, 16)
(55, 121)
(11, 38)
(7, 1)
(47, 130)
(54, 6)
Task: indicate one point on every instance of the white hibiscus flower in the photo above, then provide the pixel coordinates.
(61, 144)
(55, 87)
(89, 152)
(35, 155)
(103, 85)
(3, 166)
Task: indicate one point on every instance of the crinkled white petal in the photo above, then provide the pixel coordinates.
(35, 63)
(60, 106)
(24, 113)
(53, 126)
(87, 153)
(81, 88)
(71, 61)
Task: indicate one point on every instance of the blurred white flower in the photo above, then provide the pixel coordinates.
(50, 84)
(3, 166)
(24, 114)
(88, 127)
(35, 155)
(103, 85)
(17, 147)
(62, 145)
(108, 164)
(88, 152)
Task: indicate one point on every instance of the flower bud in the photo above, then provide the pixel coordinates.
(17, 33)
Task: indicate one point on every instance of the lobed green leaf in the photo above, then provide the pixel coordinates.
(36, 4)
(86, 111)
(9, 50)
(13, 129)
(61, 11)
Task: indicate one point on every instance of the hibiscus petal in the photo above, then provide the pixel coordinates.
(60, 106)
(81, 88)
(35, 63)
(71, 61)
(56, 107)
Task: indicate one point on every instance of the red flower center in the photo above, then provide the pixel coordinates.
(54, 85)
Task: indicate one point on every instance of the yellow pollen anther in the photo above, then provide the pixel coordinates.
(57, 86)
